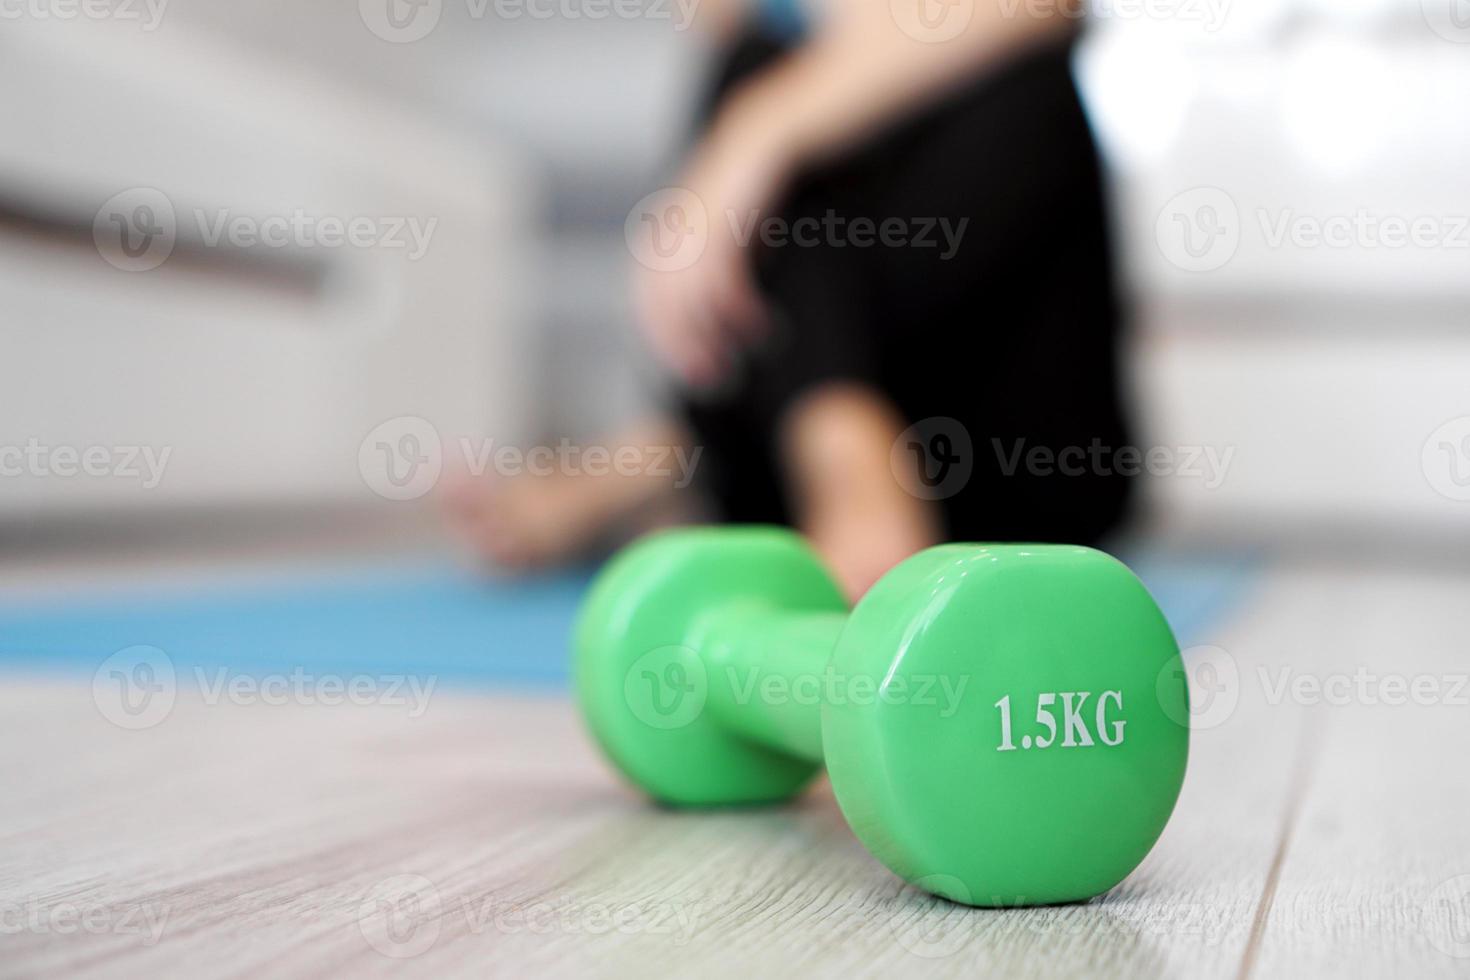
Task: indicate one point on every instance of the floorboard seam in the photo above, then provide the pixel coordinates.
(1299, 779)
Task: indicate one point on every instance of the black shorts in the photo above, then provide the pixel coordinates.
(987, 311)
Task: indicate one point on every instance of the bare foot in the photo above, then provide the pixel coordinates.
(533, 520)
(837, 442)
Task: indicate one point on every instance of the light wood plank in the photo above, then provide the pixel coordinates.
(256, 836)
(1376, 879)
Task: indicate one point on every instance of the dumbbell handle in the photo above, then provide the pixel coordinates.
(766, 671)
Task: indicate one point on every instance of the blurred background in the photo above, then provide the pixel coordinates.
(1289, 179)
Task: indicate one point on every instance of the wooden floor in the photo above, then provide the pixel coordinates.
(484, 837)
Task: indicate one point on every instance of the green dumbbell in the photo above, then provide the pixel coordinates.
(997, 720)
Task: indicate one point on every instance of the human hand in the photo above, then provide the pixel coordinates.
(699, 310)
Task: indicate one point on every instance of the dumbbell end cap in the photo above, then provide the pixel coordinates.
(936, 730)
(641, 680)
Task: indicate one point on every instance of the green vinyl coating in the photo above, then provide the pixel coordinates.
(1002, 724)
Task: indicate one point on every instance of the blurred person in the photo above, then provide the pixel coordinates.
(990, 310)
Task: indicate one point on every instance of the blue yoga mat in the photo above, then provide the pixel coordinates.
(427, 620)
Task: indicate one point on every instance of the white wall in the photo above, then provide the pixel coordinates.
(260, 369)
(1324, 366)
